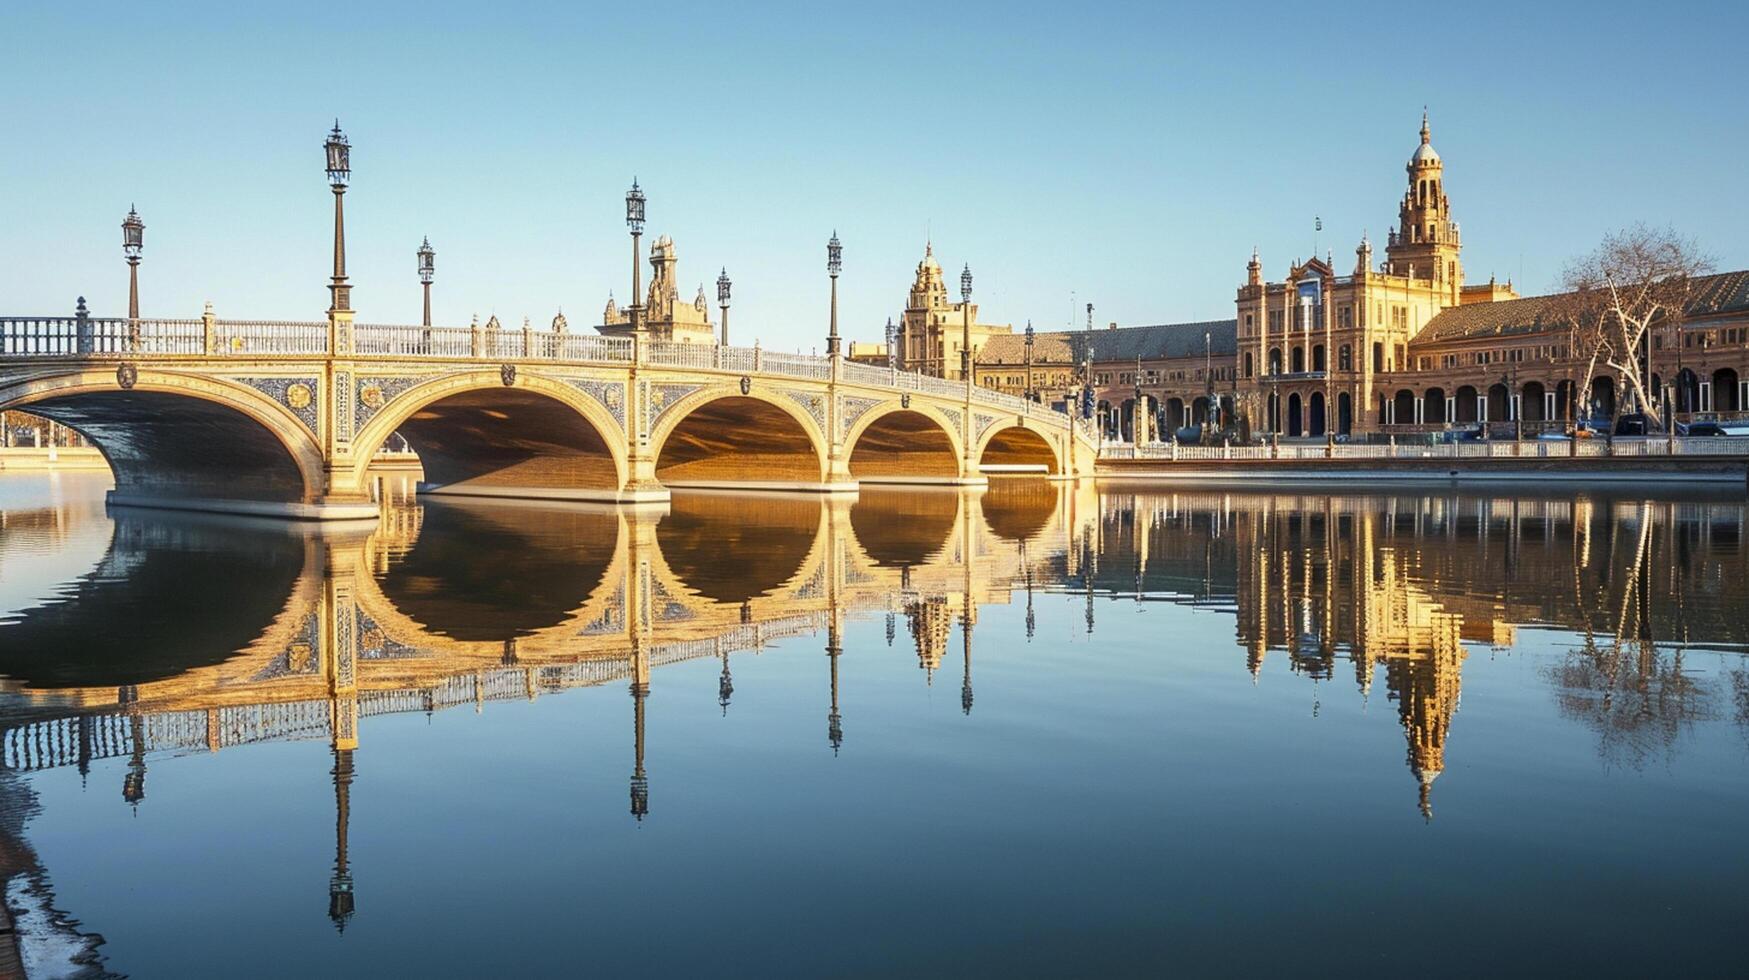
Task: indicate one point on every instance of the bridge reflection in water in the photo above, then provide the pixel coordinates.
(239, 633)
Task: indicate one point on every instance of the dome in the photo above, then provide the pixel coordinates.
(1425, 155)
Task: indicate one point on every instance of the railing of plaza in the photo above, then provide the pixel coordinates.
(1500, 449)
(270, 337)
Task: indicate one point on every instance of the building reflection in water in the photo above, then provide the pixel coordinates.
(452, 604)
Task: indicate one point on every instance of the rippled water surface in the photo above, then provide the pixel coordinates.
(1035, 730)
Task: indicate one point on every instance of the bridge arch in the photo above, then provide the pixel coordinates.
(721, 436)
(183, 438)
(1022, 442)
(476, 436)
(894, 443)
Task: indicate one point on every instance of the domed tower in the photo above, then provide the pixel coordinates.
(1426, 244)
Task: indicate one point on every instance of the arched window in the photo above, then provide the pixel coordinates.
(1318, 357)
(1345, 358)
(1247, 364)
(1378, 357)
(1299, 359)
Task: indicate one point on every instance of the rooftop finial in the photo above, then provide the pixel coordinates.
(1426, 133)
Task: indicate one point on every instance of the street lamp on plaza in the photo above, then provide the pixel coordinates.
(635, 221)
(133, 241)
(427, 271)
(1136, 415)
(834, 264)
(1029, 340)
(723, 301)
(966, 325)
(339, 167)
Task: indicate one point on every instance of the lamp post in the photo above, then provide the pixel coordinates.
(339, 167)
(723, 301)
(133, 239)
(1208, 380)
(1029, 339)
(834, 264)
(635, 221)
(1136, 407)
(966, 327)
(427, 270)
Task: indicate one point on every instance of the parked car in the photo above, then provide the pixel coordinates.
(1462, 435)
(1711, 429)
(1635, 424)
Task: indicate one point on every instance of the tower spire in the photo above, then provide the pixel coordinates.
(1426, 133)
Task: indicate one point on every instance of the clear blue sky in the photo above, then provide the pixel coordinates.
(1130, 154)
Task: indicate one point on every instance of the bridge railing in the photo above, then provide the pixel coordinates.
(269, 337)
(66, 336)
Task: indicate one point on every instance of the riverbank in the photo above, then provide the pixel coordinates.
(1636, 470)
(33, 459)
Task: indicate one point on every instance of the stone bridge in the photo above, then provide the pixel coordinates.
(284, 418)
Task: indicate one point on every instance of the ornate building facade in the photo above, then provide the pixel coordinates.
(1396, 346)
(665, 316)
(931, 331)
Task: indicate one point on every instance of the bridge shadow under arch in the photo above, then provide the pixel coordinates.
(509, 442)
(1019, 446)
(173, 444)
(730, 549)
(485, 572)
(904, 528)
(903, 444)
(737, 440)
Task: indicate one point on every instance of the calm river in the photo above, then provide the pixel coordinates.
(1038, 730)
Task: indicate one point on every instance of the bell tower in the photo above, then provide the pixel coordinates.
(1425, 245)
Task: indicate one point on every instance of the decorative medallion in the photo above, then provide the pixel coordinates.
(746, 384)
(297, 394)
(611, 395)
(507, 373)
(375, 392)
(811, 402)
(127, 376)
(905, 400)
(663, 398)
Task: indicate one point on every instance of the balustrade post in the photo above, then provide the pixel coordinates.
(82, 327)
(758, 358)
(209, 330)
(527, 339)
(476, 340)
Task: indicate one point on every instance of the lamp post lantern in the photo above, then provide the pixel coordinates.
(133, 241)
(1029, 340)
(635, 221)
(339, 167)
(723, 301)
(966, 325)
(834, 264)
(427, 271)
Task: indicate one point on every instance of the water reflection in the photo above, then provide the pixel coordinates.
(202, 634)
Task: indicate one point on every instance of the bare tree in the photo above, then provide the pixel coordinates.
(1637, 279)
